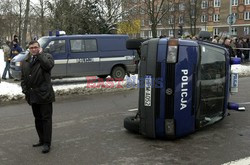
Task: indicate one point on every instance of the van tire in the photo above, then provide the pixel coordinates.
(118, 72)
(131, 123)
(102, 76)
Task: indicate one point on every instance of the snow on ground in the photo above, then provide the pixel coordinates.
(12, 91)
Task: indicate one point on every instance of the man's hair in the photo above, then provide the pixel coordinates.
(34, 42)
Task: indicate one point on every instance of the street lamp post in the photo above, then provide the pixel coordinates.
(230, 14)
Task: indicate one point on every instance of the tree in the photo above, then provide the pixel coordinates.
(129, 27)
(9, 19)
(155, 10)
(110, 13)
(193, 8)
(20, 5)
(26, 19)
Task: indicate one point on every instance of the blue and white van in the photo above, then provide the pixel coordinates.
(85, 55)
(184, 86)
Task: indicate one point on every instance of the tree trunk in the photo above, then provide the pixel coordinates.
(25, 27)
(154, 31)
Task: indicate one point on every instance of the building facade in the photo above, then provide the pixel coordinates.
(193, 16)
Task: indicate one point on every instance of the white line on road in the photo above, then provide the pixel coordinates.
(243, 161)
(131, 110)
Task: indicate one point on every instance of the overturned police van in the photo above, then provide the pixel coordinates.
(186, 86)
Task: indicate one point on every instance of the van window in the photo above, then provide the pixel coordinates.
(56, 46)
(113, 44)
(87, 45)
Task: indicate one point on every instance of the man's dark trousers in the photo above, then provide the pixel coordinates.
(43, 121)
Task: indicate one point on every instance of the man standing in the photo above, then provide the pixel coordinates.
(39, 93)
(6, 50)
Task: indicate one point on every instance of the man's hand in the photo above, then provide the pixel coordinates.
(40, 50)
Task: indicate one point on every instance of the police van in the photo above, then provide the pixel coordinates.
(184, 86)
(84, 55)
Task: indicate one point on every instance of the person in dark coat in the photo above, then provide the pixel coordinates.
(227, 43)
(15, 49)
(39, 93)
(245, 52)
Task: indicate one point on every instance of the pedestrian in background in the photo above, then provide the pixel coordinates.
(15, 50)
(245, 52)
(39, 93)
(6, 50)
(227, 44)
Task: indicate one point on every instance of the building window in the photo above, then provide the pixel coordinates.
(217, 3)
(158, 33)
(150, 34)
(142, 23)
(171, 7)
(247, 2)
(142, 34)
(216, 31)
(204, 28)
(204, 4)
(171, 33)
(181, 6)
(235, 2)
(246, 31)
(247, 15)
(204, 18)
(216, 18)
(142, 11)
(150, 22)
(192, 2)
(171, 20)
(234, 31)
(181, 20)
(159, 23)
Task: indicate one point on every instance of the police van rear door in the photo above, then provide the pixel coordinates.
(83, 58)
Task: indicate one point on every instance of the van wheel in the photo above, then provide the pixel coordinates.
(118, 72)
(131, 123)
(102, 76)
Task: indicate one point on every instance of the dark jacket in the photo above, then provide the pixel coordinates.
(230, 50)
(36, 79)
(15, 50)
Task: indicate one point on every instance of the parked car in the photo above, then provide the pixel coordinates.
(84, 55)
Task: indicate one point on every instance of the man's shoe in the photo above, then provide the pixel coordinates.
(38, 144)
(4, 78)
(46, 149)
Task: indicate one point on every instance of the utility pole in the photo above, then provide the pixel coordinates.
(230, 15)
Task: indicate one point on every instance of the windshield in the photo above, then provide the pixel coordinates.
(42, 41)
(212, 78)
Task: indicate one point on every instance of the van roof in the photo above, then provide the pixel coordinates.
(89, 36)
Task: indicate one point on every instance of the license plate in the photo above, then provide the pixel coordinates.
(148, 91)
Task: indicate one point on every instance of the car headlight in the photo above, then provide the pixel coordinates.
(172, 51)
(18, 63)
